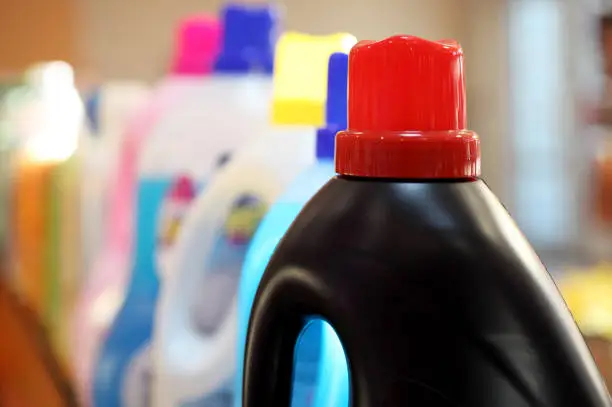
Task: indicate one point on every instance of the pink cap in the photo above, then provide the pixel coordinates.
(197, 44)
(182, 190)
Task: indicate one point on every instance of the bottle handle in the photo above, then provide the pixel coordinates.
(193, 364)
(285, 303)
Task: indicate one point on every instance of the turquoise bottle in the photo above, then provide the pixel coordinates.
(320, 376)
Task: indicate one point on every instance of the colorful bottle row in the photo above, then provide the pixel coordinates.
(208, 169)
(45, 149)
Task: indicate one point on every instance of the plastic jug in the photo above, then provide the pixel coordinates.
(110, 279)
(436, 296)
(49, 124)
(189, 138)
(110, 109)
(120, 118)
(195, 332)
(15, 102)
(9, 96)
(317, 375)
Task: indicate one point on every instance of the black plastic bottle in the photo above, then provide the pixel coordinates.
(437, 297)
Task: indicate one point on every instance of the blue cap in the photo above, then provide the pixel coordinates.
(336, 107)
(92, 110)
(249, 39)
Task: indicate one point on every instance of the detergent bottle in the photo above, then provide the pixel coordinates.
(195, 332)
(317, 375)
(436, 296)
(46, 218)
(109, 110)
(9, 96)
(188, 139)
(119, 114)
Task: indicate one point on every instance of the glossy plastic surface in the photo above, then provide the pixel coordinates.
(436, 296)
(320, 367)
(407, 112)
(320, 374)
(405, 83)
(250, 33)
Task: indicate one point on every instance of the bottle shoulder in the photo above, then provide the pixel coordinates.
(428, 264)
(408, 222)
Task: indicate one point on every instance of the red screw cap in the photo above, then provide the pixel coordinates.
(407, 113)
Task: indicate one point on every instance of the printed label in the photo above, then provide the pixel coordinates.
(175, 206)
(221, 279)
(121, 377)
(223, 269)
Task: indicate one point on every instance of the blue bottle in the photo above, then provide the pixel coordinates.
(315, 384)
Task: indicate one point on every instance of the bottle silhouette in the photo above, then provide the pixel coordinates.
(436, 296)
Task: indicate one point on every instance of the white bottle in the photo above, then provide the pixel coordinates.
(196, 322)
(195, 127)
(110, 109)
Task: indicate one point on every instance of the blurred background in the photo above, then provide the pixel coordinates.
(529, 65)
(539, 93)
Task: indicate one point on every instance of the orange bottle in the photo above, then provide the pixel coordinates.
(46, 198)
(31, 199)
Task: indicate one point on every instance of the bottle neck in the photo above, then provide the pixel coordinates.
(325, 142)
